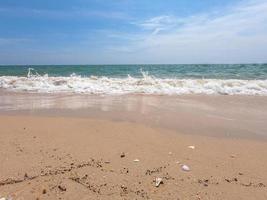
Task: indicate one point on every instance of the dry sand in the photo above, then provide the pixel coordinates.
(88, 151)
(74, 158)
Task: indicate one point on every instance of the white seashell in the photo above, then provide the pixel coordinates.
(136, 160)
(158, 182)
(185, 168)
(191, 147)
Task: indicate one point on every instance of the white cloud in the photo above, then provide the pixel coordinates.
(237, 34)
(158, 24)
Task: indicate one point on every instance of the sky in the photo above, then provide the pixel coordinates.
(133, 31)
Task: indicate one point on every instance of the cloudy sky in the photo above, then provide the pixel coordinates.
(133, 31)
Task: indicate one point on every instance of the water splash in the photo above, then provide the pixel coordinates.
(31, 73)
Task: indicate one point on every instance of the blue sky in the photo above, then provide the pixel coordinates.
(132, 31)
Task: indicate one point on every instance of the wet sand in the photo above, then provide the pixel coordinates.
(211, 115)
(52, 150)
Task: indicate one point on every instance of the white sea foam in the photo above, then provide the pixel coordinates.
(145, 85)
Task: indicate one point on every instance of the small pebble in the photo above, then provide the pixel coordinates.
(185, 168)
(158, 182)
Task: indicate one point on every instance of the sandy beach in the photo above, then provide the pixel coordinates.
(116, 147)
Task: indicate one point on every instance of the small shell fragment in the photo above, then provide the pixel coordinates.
(191, 147)
(136, 160)
(170, 153)
(158, 182)
(185, 168)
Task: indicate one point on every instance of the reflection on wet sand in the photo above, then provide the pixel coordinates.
(231, 116)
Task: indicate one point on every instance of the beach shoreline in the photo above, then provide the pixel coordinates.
(133, 100)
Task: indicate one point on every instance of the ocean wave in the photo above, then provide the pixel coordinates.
(145, 85)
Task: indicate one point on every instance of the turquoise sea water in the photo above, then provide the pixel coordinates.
(242, 79)
(212, 71)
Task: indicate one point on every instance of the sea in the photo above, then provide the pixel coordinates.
(207, 79)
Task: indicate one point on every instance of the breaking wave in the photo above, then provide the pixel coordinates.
(145, 85)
